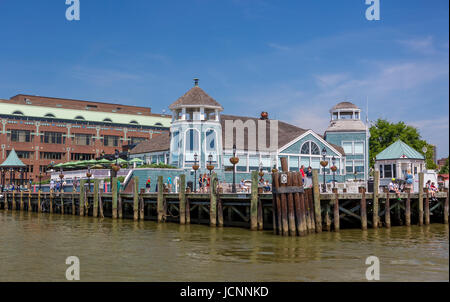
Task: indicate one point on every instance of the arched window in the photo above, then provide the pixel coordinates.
(311, 148)
(51, 115)
(18, 113)
(134, 122)
(107, 120)
(79, 117)
(211, 141)
(158, 124)
(315, 149)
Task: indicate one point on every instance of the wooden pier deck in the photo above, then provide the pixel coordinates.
(292, 211)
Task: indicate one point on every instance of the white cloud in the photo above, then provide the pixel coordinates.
(421, 45)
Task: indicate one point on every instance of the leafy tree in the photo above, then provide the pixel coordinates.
(444, 169)
(383, 134)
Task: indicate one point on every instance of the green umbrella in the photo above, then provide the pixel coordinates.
(103, 161)
(136, 160)
(58, 165)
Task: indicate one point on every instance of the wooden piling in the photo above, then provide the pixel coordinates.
(213, 199)
(327, 217)
(119, 205)
(277, 198)
(136, 198)
(291, 210)
(188, 211)
(21, 201)
(74, 212)
(219, 212)
(51, 201)
(299, 207)
(254, 202)
(375, 205)
(182, 198)
(336, 218)
(114, 197)
(95, 206)
(13, 201)
(311, 211)
(387, 211)
(141, 205)
(284, 212)
(420, 203)
(363, 209)
(317, 208)
(100, 203)
(446, 207)
(160, 199)
(427, 207)
(62, 202)
(29, 209)
(81, 198)
(260, 215)
(408, 208)
(39, 201)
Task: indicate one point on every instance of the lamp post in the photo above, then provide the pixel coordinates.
(3, 179)
(355, 173)
(333, 168)
(234, 160)
(324, 163)
(195, 168)
(89, 175)
(210, 166)
(261, 172)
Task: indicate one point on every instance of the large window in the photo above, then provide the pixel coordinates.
(21, 136)
(293, 163)
(310, 148)
(83, 139)
(111, 141)
(348, 147)
(253, 163)
(81, 156)
(137, 140)
(21, 154)
(53, 138)
(359, 148)
(192, 144)
(51, 155)
(175, 148)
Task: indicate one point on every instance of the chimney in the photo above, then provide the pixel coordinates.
(195, 82)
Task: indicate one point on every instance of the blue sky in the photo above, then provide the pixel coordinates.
(294, 59)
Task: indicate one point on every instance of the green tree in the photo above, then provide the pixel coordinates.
(444, 169)
(383, 134)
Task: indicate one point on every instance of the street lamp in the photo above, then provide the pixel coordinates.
(89, 175)
(195, 168)
(210, 166)
(234, 160)
(40, 180)
(3, 179)
(333, 168)
(324, 163)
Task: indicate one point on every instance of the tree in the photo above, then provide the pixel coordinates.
(384, 133)
(444, 169)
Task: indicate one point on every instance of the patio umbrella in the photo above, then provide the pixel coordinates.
(136, 160)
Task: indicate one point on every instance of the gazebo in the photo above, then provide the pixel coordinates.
(12, 164)
(397, 159)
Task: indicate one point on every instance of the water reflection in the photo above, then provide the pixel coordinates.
(34, 247)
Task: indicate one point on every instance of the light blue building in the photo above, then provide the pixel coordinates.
(200, 129)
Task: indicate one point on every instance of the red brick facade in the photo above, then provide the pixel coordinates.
(41, 141)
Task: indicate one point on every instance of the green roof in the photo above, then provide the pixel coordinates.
(12, 160)
(95, 116)
(399, 150)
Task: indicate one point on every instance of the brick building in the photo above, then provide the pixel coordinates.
(44, 130)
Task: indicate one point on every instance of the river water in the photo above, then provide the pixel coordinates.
(34, 247)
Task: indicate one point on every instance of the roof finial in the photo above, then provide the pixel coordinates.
(196, 82)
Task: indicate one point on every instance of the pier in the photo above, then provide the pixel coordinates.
(290, 210)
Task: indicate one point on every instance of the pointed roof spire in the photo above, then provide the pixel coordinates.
(12, 161)
(196, 97)
(196, 82)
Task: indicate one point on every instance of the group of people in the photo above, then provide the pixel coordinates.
(432, 189)
(56, 186)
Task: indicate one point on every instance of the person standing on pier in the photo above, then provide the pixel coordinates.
(409, 180)
(148, 185)
(169, 184)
